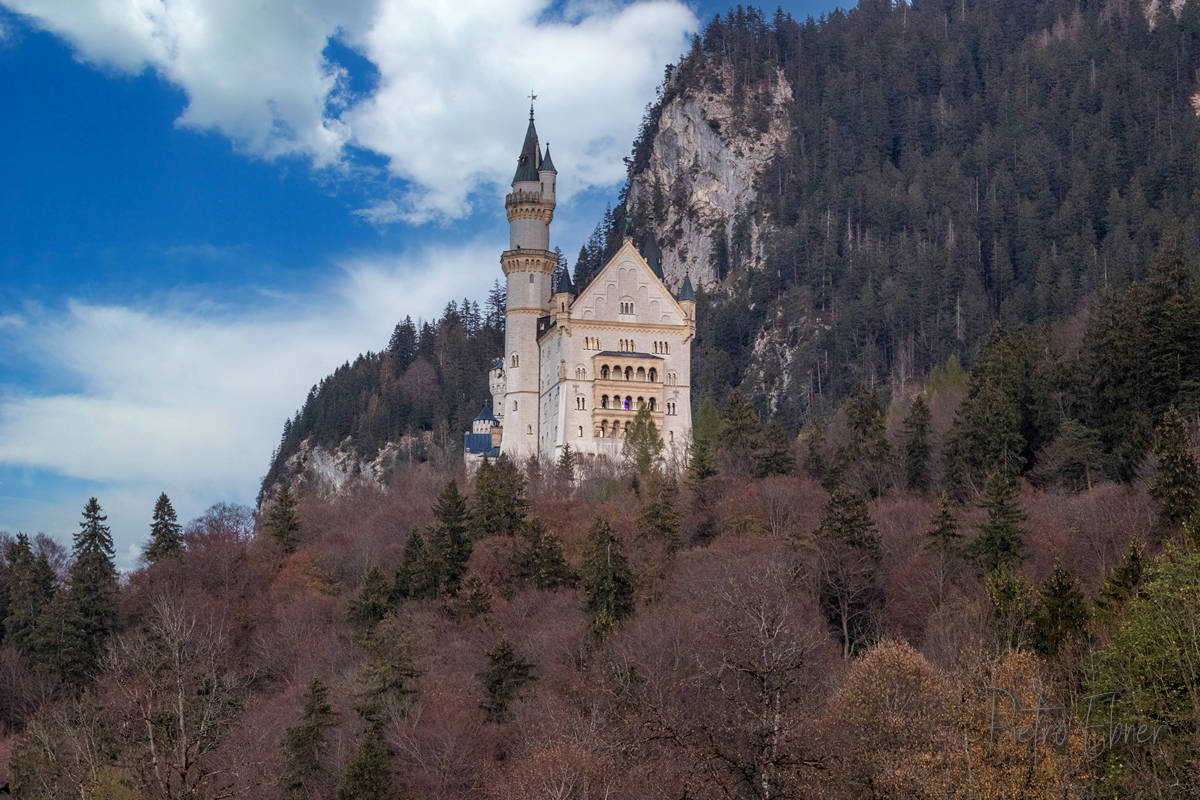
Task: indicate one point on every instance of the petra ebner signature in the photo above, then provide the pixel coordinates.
(1054, 725)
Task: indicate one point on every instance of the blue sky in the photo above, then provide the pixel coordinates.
(206, 205)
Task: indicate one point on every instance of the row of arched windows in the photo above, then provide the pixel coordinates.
(591, 343)
(662, 348)
(628, 373)
(626, 345)
(613, 429)
(627, 403)
(626, 307)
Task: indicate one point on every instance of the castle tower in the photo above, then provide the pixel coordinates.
(528, 265)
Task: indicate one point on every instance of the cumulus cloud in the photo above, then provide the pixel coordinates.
(452, 77)
(191, 400)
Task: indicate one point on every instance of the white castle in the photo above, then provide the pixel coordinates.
(578, 365)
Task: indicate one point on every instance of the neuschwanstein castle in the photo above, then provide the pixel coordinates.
(579, 362)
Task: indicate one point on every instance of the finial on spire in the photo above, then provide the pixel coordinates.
(532, 97)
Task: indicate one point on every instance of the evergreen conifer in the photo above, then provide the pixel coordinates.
(916, 446)
(1001, 541)
(369, 774)
(283, 525)
(504, 680)
(1176, 483)
(606, 578)
(304, 772)
(166, 534)
(1061, 612)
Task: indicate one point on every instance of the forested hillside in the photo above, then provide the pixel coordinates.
(872, 611)
(927, 171)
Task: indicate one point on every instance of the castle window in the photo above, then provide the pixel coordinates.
(653, 374)
(652, 404)
(626, 307)
(580, 431)
(629, 373)
(604, 373)
(514, 405)
(641, 403)
(516, 362)
(628, 403)
(641, 373)
(604, 401)
(529, 430)
(603, 428)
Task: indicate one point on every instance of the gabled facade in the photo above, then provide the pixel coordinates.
(579, 362)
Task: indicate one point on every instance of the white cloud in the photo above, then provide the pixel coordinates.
(192, 401)
(448, 110)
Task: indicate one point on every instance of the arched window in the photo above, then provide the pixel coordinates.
(652, 375)
(641, 403)
(616, 373)
(629, 373)
(580, 431)
(652, 403)
(603, 428)
(604, 401)
(516, 362)
(641, 373)
(628, 403)
(529, 430)
(604, 373)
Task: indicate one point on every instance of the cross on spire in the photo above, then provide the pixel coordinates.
(532, 97)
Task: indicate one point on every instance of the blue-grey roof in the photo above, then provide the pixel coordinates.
(562, 280)
(686, 292)
(547, 164)
(653, 255)
(531, 155)
(478, 443)
(486, 414)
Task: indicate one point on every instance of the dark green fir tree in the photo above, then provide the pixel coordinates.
(372, 603)
(499, 505)
(660, 518)
(916, 446)
(539, 559)
(775, 457)
(30, 590)
(1176, 484)
(1001, 540)
(166, 534)
(283, 524)
(369, 774)
(606, 578)
(1061, 613)
(305, 774)
(504, 681)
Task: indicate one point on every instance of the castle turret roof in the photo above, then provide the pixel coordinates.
(653, 255)
(562, 280)
(547, 164)
(485, 415)
(686, 292)
(531, 155)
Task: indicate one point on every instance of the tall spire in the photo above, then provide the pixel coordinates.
(530, 159)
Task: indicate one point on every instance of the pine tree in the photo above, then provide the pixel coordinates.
(504, 680)
(659, 518)
(166, 534)
(448, 538)
(850, 557)
(775, 457)
(1176, 483)
(304, 774)
(642, 447)
(386, 686)
(417, 577)
(741, 434)
(606, 578)
(1011, 606)
(372, 603)
(498, 506)
(1001, 541)
(565, 469)
(916, 446)
(30, 590)
(1061, 612)
(814, 455)
(88, 614)
(1123, 583)
(539, 560)
(282, 524)
(942, 536)
(369, 775)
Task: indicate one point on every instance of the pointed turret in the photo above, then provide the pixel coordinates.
(687, 292)
(530, 159)
(562, 281)
(653, 255)
(547, 165)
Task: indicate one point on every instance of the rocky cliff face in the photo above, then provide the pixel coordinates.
(701, 178)
(313, 469)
